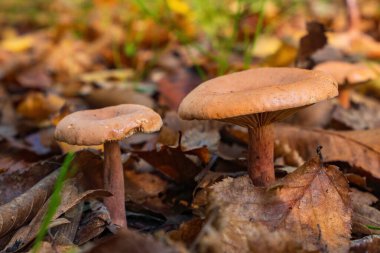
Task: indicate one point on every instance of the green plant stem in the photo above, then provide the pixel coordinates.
(373, 227)
(54, 202)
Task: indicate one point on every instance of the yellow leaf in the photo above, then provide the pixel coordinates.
(178, 6)
(37, 106)
(17, 44)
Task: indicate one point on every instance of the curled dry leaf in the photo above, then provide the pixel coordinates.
(71, 196)
(93, 223)
(361, 149)
(65, 234)
(312, 204)
(24, 207)
(365, 217)
(368, 244)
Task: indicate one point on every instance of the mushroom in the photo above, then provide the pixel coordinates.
(255, 99)
(347, 75)
(108, 126)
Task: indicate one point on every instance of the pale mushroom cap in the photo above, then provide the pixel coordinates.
(347, 73)
(256, 91)
(94, 127)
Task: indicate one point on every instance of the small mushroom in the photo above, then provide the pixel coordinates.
(347, 75)
(255, 99)
(108, 126)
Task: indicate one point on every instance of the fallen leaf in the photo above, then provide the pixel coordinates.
(173, 162)
(36, 77)
(37, 106)
(93, 223)
(311, 204)
(173, 87)
(368, 244)
(20, 177)
(65, 234)
(23, 208)
(365, 216)
(187, 232)
(139, 187)
(71, 196)
(47, 247)
(310, 44)
(260, 239)
(364, 113)
(131, 241)
(361, 149)
(17, 44)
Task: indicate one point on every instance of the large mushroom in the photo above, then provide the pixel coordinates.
(347, 75)
(108, 126)
(255, 99)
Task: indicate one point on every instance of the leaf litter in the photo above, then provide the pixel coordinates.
(186, 187)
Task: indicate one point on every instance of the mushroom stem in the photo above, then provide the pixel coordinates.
(114, 182)
(344, 98)
(260, 155)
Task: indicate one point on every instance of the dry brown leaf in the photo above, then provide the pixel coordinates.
(187, 232)
(312, 205)
(173, 162)
(71, 196)
(24, 207)
(19, 176)
(291, 157)
(35, 77)
(65, 234)
(131, 241)
(139, 187)
(13, 62)
(47, 247)
(93, 223)
(310, 44)
(364, 215)
(361, 149)
(174, 86)
(368, 244)
(37, 106)
(260, 239)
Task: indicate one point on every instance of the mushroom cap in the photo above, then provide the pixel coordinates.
(347, 73)
(114, 123)
(255, 91)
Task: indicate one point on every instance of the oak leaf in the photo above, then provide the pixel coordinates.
(312, 205)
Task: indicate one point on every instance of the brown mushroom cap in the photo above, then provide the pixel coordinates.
(257, 92)
(94, 127)
(347, 73)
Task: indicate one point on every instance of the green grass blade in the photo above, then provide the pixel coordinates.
(55, 200)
